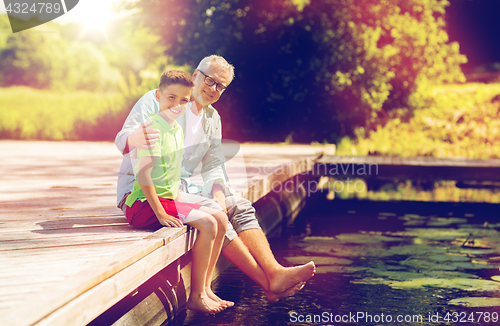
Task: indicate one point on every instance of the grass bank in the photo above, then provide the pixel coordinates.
(460, 121)
(29, 113)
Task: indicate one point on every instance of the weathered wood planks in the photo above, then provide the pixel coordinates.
(425, 168)
(66, 252)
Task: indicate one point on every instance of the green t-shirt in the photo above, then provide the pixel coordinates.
(166, 172)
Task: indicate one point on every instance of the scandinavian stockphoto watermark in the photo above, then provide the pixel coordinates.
(271, 175)
(339, 178)
(363, 318)
(25, 14)
(354, 317)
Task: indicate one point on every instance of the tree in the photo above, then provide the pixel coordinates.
(32, 59)
(318, 70)
(381, 56)
(48, 61)
(88, 69)
(4, 30)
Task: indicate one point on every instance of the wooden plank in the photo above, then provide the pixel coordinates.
(86, 279)
(419, 168)
(92, 303)
(425, 161)
(68, 222)
(70, 235)
(149, 312)
(261, 185)
(72, 241)
(43, 254)
(59, 215)
(32, 271)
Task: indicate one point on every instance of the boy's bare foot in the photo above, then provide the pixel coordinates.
(204, 304)
(290, 276)
(273, 297)
(214, 297)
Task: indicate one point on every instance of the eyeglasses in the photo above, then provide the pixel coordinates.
(211, 82)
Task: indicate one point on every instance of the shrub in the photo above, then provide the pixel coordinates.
(461, 121)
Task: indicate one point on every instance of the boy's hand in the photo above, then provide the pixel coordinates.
(143, 137)
(169, 220)
(219, 197)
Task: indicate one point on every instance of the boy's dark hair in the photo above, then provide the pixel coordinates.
(169, 77)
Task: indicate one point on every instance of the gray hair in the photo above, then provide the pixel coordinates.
(218, 60)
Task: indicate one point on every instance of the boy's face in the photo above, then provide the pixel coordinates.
(173, 100)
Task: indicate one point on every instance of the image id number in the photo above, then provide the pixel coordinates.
(40, 7)
(473, 317)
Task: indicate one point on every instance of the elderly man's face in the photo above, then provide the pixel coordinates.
(204, 94)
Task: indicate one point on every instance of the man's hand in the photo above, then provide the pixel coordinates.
(143, 137)
(219, 196)
(169, 220)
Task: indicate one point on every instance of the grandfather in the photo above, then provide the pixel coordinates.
(246, 245)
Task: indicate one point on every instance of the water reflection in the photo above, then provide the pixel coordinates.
(416, 190)
(418, 264)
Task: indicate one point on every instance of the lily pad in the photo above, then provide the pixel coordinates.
(471, 226)
(434, 234)
(318, 260)
(320, 239)
(496, 278)
(328, 249)
(445, 221)
(371, 280)
(414, 223)
(455, 283)
(398, 275)
(362, 238)
(414, 249)
(446, 257)
(358, 251)
(465, 284)
(474, 264)
(449, 274)
(338, 269)
(415, 217)
(424, 264)
(481, 232)
(478, 251)
(476, 302)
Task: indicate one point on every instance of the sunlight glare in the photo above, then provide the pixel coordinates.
(97, 20)
(94, 15)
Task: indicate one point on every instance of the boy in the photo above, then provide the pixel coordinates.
(154, 200)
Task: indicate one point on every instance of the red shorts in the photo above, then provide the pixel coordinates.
(142, 216)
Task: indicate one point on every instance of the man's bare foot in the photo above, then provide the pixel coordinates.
(204, 304)
(273, 297)
(214, 297)
(289, 276)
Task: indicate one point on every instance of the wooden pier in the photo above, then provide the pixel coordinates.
(402, 168)
(68, 254)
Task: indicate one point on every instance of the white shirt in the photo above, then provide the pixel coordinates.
(193, 128)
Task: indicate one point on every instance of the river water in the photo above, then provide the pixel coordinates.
(378, 263)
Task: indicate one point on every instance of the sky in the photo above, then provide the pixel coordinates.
(92, 13)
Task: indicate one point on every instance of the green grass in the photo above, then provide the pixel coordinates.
(55, 115)
(461, 121)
